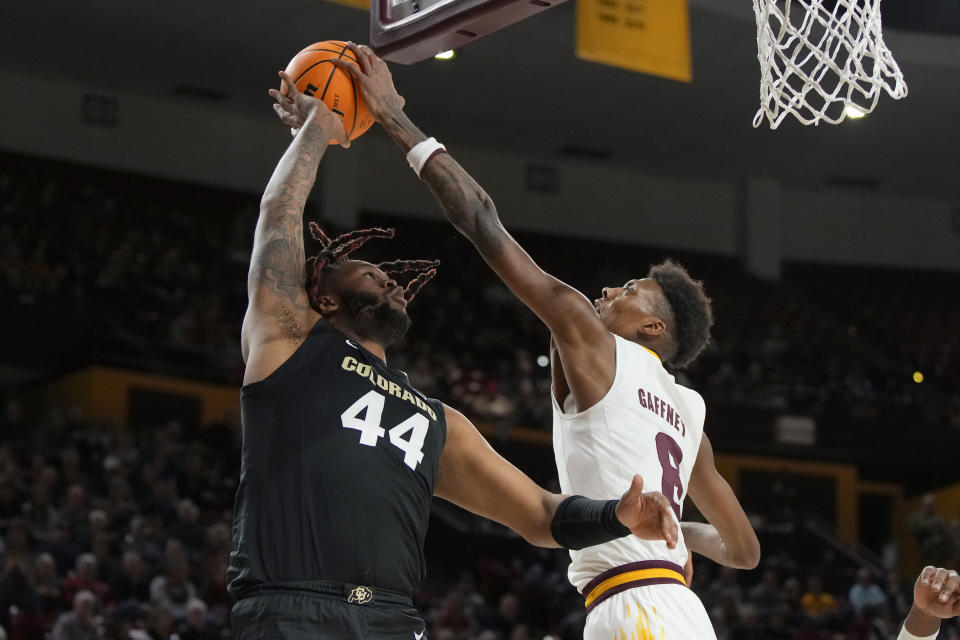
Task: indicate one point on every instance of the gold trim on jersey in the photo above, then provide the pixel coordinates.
(633, 576)
(653, 353)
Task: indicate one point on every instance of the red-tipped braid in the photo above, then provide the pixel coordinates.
(414, 286)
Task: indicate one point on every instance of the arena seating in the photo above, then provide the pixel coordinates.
(114, 269)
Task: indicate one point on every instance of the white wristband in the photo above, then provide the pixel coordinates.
(906, 635)
(422, 152)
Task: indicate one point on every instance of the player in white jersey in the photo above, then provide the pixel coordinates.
(646, 424)
(618, 412)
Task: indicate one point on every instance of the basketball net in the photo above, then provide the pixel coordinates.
(822, 63)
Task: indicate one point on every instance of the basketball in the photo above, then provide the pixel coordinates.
(314, 75)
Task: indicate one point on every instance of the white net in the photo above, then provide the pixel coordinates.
(822, 60)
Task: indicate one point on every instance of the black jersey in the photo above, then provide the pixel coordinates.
(339, 464)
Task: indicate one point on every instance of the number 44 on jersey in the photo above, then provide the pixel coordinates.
(370, 406)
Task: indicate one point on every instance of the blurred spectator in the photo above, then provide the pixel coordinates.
(17, 545)
(187, 527)
(899, 594)
(38, 513)
(507, 615)
(59, 543)
(11, 502)
(883, 625)
(452, 615)
(748, 626)
(15, 589)
(767, 595)
(930, 532)
(172, 589)
(195, 626)
(46, 584)
(102, 549)
(725, 590)
(865, 595)
(780, 625)
(817, 604)
(85, 579)
(133, 583)
(161, 623)
(140, 539)
(955, 534)
(80, 623)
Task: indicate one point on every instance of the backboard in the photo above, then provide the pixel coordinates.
(407, 31)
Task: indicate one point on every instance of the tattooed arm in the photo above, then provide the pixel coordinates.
(278, 313)
(586, 347)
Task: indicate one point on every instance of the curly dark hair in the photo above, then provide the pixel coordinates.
(338, 250)
(690, 309)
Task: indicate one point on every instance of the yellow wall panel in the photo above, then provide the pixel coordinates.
(650, 36)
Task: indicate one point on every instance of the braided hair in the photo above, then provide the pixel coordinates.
(338, 249)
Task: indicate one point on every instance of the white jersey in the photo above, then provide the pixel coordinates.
(646, 424)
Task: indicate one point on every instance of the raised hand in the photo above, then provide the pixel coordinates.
(294, 109)
(937, 593)
(647, 515)
(374, 80)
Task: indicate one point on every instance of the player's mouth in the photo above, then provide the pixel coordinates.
(399, 299)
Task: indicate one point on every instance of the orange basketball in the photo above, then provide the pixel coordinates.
(314, 75)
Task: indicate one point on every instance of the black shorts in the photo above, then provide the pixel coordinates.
(324, 610)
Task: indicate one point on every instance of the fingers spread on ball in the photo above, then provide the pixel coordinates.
(347, 65)
(362, 56)
(282, 100)
(289, 84)
(335, 84)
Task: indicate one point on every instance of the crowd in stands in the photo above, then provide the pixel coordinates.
(108, 533)
(111, 533)
(163, 267)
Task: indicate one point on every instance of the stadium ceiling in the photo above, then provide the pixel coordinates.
(523, 90)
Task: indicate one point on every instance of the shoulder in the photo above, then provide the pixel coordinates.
(637, 356)
(692, 397)
(451, 415)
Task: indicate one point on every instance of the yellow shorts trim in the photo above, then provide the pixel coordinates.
(633, 576)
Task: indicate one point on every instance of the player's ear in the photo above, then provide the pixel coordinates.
(651, 325)
(327, 305)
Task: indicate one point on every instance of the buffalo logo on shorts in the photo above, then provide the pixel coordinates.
(360, 595)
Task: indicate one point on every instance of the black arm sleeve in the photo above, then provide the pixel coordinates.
(581, 522)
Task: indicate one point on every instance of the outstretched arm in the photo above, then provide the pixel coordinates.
(581, 336)
(475, 477)
(729, 539)
(278, 311)
(936, 596)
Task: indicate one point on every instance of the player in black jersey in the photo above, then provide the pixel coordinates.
(341, 455)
